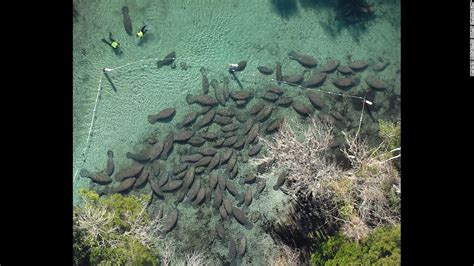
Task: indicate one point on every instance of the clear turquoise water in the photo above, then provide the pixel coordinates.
(212, 34)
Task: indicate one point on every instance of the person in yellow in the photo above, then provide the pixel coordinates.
(141, 32)
(113, 43)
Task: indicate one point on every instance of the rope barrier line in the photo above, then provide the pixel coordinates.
(99, 91)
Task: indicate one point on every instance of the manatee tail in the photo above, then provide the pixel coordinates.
(190, 99)
(292, 55)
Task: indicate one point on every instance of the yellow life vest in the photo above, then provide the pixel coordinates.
(140, 34)
(114, 44)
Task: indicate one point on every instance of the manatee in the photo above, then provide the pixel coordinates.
(274, 125)
(124, 185)
(345, 70)
(376, 84)
(167, 60)
(142, 178)
(231, 163)
(205, 120)
(180, 197)
(196, 141)
(265, 70)
(141, 157)
(205, 81)
(222, 120)
(130, 171)
(240, 103)
(167, 146)
(264, 166)
(194, 189)
(249, 178)
(232, 250)
(264, 113)
(215, 162)
(380, 66)
(209, 136)
(234, 172)
(257, 107)
(226, 88)
(172, 186)
(191, 158)
(200, 170)
(232, 189)
(163, 179)
(247, 125)
(99, 177)
(303, 59)
(315, 80)
(183, 135)
(330, 66)
(203, 162)
(281, 180)
(247, 197)
(253, 133)
(159, 212)
(212, 180)
(189, 177)
(220, 230)
(155, 188)
(230, 127)
(200, 196)
(358, 65)
(180, 168)
(284, 101)
(242, 246)
(127, 22)
(229, 141)
(155, 168)
(221, 182)
(204, 109)
(337, 115)
(316, 101)
(301, 108)
(163, 115)
(240, 217)
(241, 95)
(239, 144)
(227, 206)
(226, 155)
(226, 112)
(180, 175)
(344, 83)
(217, 199)
(155, 151)
(218, 93)
(187, 119)
(228, 135)
(255, 149)
(270, 96)
(218, 142)
(170, 221)
(241, 116)
(223, 212)
(278, 75)
(203, 100)
(109, 169)
(293, 79)
(276, 90)
(207, 151)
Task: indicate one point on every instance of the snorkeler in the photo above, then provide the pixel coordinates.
(142, 31)
(113, 43)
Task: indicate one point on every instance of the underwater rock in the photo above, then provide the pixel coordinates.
(163, 115)
(358, 65)
(278, 75)
(168, 60)
(330, 66)
(167, 146)
(109, 169)
(281, 180)
(303, 59)
(170, 221)
(265, 70)
(127, 22)
(99, 177)
(315, 80)
(141, 157)
(255, 149)
(205, 81)
(315, 100)
(376, 84)
(130, 171)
